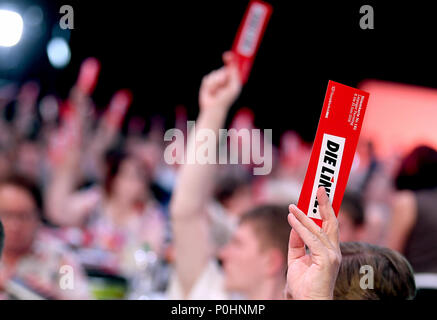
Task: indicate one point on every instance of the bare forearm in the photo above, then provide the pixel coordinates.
(61, 188)
(189, 206)
(194, 185)
(57, 194)
(193, 190)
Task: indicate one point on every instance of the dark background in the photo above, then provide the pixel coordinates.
(161, 50)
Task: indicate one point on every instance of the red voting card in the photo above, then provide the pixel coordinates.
(118, 108)
(89, 72)
(334, 147)
(249, 35)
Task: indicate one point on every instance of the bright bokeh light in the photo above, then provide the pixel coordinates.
(58, 52)
(11, 28)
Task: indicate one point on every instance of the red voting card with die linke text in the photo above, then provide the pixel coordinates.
(334, 147)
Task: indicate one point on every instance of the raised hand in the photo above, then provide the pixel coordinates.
(313, 275)
(220, 88)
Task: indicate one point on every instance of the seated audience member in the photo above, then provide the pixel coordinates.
(117, 215)
(33, 260)
(120, 217)
(351, 218)
(413, 225)
(254, 261)
(369, 272)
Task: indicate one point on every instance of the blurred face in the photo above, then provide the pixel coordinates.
(19, 216)
(348, 232)
(129, 184)
(243, 260)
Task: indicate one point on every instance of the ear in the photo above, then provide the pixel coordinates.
(275, 262)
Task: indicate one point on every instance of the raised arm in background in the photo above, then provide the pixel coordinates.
(64, 206)
(193, 190)
(80, 143)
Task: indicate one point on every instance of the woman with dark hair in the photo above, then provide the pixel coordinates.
(32, 258)
(127, 217)
(119, 217)
(413, 225)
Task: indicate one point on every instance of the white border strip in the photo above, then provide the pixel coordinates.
(426, 280)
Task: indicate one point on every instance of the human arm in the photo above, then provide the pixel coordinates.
(312, 276)
(193, 189)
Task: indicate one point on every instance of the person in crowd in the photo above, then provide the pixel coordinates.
(196, 272)
(33, 259)
(255, 259)
(120, 217)
(230, 231)
(342, 271)
(117, 214)
(413, 224)
(370, 272)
